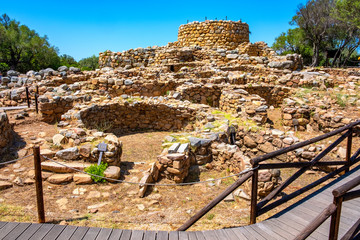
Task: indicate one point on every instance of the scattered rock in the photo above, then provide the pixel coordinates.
(82, 178)
(68, 154)
(112, 172)
(60, 178)
(5, 185)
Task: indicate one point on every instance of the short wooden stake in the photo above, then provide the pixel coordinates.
(27, 96)
(38, 184)
(36, 103)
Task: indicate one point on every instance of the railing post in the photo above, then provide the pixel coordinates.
(254, 191)
(348, 149)
(335, 219)
(27, 97)
(38, 183)
(36, 103)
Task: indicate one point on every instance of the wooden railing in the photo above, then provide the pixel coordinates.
(262, 207)
(341, 194)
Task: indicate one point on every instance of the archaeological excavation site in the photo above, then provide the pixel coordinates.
(209, 133)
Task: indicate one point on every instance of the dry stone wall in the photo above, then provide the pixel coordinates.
(6, 132)
(226, 34)
(138, 115)
(241, 102)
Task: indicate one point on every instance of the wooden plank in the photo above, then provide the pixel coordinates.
(104, 234)
(149, 235)
(17, 231)
(79, 233)
(307, 218)
(242, 233)
(92, 233)
(296, 220)
(221, 235)
(7, 228)
(29, 231)
(253, 233)
(137, 235)
(266, 234)
(280, 227)
(67, 232)
(162, 235)
(173, 235)
(311, 209)
(210, 235)
(2, 224)
(192, 236)
(42, 231)
(183, 235)
(283, 232)
(115, 234)
(232, 235)
(54, 232)
(200, 235)
(296, 225)
(126, 235)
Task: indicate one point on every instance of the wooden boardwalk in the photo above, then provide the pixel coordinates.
(284, 225)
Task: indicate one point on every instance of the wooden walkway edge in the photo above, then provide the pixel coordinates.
(284, 225)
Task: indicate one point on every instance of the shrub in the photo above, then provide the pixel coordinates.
(97, 170)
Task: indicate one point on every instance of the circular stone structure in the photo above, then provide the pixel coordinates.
(224, 34)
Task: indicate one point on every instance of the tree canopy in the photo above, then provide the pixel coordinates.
(22, 49)
(325, 30)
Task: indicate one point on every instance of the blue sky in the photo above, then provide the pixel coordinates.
(84, 28)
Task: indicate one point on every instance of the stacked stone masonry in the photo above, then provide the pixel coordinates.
(212, 34)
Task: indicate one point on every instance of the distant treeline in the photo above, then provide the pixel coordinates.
(22, 49)
(326, 32)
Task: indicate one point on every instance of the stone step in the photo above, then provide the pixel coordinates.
(57, 168)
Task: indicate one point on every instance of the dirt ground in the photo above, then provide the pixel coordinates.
(117, 205)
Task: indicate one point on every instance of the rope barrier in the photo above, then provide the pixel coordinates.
(3, 163)
(151, 184)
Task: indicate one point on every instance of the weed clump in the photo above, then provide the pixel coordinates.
(97, 170)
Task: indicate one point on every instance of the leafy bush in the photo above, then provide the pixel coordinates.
(97, 170)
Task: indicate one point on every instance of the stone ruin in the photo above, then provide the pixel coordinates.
(212, 88)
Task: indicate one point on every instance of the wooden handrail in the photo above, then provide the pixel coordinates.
(351, 195)
(291, 179)
(276, 153)
(313, 225)
(346, 187)
(352, 231)
(299, 164)
(214, 202)
(301, 191)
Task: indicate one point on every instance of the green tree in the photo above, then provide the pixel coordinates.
(89, 63)
(323, 27)
(69, 61)
(315, 19)
(293, 41)
(348, 11)
(23, 49)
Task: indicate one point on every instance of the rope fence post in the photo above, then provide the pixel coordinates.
(36, 103)
(27, 97)
(38, 184)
